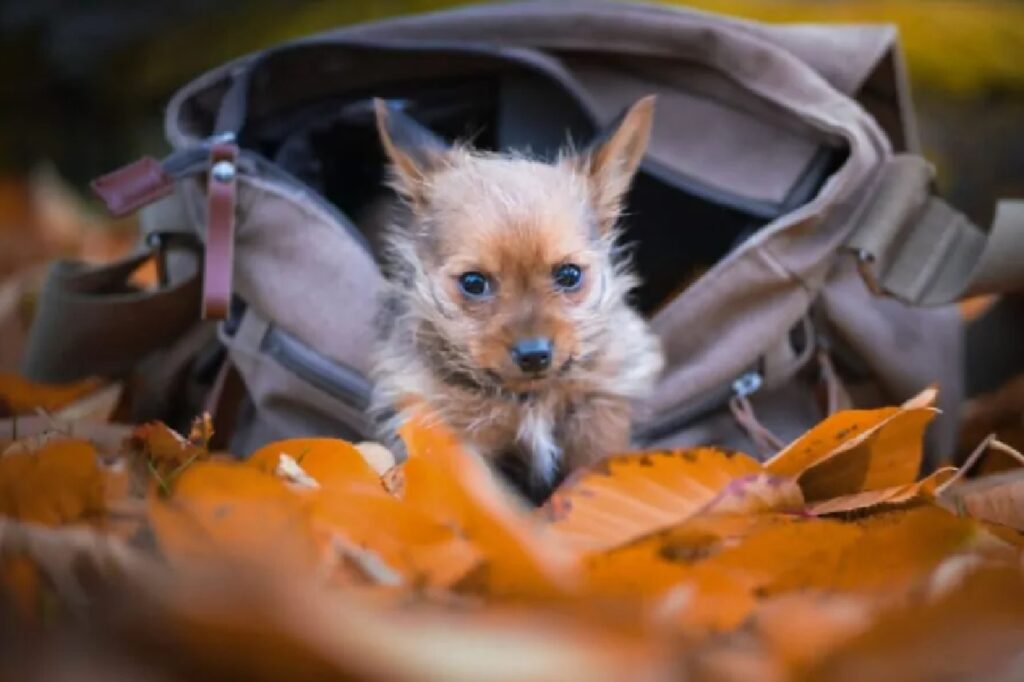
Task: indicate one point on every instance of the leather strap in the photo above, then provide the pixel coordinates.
(220, 230)
(915, 247)
(131, 187)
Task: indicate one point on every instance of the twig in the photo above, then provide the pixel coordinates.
(971, 460)
(1002, 447)
(164, 488)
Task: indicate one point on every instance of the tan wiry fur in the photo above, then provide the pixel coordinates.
(516, 220)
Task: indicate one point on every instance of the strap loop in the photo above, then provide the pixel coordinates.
(220, 230)
(915, 247)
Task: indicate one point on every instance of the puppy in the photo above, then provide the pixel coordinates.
(506, 313)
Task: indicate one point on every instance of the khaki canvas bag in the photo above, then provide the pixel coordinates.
(794, 257)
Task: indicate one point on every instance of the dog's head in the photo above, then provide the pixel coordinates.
(509, 263)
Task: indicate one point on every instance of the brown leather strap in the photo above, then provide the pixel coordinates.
(220, 230)
(133, 186)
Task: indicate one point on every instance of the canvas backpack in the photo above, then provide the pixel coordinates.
(794, 256)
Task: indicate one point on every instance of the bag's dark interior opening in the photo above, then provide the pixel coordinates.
(674, 233)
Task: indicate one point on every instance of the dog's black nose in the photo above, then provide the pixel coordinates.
(532, 355)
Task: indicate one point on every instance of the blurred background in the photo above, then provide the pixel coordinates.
(83, 86)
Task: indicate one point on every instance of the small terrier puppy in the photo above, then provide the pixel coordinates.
(506, 313)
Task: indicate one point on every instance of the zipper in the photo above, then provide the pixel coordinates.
(746, 384)
(334, 379)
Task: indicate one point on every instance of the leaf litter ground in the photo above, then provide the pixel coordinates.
(144, 553)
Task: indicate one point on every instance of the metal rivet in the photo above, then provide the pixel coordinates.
(747, 384)
(223, 171)
(222, 138)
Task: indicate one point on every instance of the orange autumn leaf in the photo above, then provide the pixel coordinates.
(445, 482)
(973, 631)
(62, 482)
(165, 449)
(222, 511)
(727, 562)
(662, 569)
(21, 396)
(628, 496)
(756, 493)
(882, 554)
(705, 602)
(422, 549)
(333, 463)
(925, 489)
(858, 450)
(653, 564)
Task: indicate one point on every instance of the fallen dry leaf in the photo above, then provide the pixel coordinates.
(332, 463)
(20, 396)
(974, 632)
(998, 498)
(164, 453)
(447, 483)
(217, 511)
(62, 482)
(628, 496)
(698, 563)
(925, 489)
(859, 450)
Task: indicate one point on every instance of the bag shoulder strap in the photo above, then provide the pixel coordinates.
(89, 320)
(913, 246)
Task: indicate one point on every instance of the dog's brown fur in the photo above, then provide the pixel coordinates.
(516, 220)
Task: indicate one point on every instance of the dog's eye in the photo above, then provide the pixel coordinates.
(474, 284)
(568, 277)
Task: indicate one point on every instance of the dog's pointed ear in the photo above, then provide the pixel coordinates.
(612, 160)
(413, 150)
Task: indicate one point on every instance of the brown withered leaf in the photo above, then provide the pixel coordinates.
(998, 498)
